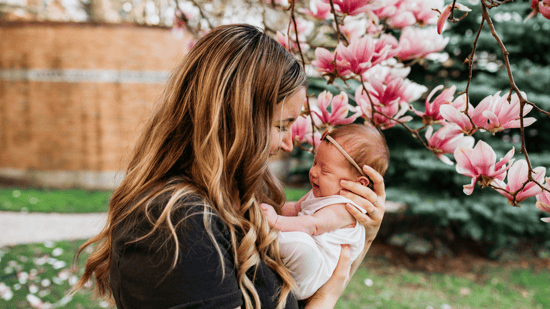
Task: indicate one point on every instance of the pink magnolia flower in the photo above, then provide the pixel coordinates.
(454, 113)
(386, 101)
(413, 91)
(352, 7)
(318, 9)
(419, 42)
(424, 11)
(386, 73)
(325, 63)
(339, 109)
(300, 129)
(388, 9)
(431, 114)
(517, 176)
(480, 164)
(409, 91)
(446, 140)
(385, 93)
(447, 12)
(543, 200)
(355, 28)
(385, 47)
(359, 54)
(301, 132)
(401, 19)
(503, 115)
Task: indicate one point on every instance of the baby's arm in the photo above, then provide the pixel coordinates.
(324, 220)
(291, 209)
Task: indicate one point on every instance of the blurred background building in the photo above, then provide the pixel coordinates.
(77, 81)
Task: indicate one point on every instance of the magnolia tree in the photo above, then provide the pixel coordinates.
(366, 48)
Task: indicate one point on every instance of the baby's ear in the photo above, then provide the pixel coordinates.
(364, 180)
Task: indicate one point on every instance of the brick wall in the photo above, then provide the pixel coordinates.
(73, 96)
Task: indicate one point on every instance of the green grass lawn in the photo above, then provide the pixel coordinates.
(44, 272)
(73, 200)
(387, 286)
(55, 200)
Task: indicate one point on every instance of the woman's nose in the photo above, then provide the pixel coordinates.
(286, 144)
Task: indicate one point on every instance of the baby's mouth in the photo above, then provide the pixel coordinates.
(314, 185)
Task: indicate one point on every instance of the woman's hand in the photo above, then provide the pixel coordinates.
(328, 294)
(373, 201)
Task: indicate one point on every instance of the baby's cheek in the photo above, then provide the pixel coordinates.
(336, 187)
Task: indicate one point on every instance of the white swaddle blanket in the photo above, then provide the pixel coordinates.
(312, 259)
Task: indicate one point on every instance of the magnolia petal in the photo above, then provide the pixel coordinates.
(499, 184)
(527, 109)
(344, 52)
(453, 115)
(463, 164)
(493, 120)
(483, 157)
(429, 132)
(443, 18)
(542, 206)
(468, 189)
(532, 189)
(432, 93)
(505, 160)
(467, 142)
(517, 175)
(516, 123)
(445, 160)
(323, 100)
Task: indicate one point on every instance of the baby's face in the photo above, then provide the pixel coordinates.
(329, 167)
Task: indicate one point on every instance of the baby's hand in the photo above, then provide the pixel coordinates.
(270, 214)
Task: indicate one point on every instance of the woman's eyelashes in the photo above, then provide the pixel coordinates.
(283, 128)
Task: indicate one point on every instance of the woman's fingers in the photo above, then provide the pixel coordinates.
(359, 216)
(377, 179)
(344, 262)
(362, 196)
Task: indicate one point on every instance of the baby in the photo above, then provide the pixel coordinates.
(312, 230)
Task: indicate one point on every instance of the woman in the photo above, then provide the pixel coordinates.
(185, 227)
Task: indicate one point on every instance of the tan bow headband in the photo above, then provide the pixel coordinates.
(346, 155)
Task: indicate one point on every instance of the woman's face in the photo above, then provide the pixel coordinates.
(285, 115)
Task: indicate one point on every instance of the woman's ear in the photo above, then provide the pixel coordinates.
(364, 180)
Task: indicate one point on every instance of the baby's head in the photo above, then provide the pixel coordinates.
(362, 142)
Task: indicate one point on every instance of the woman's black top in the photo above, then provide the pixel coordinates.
(140, 274)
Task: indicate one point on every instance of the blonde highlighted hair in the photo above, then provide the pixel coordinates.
(209, 136)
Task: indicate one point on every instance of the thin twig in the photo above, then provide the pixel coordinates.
(339, 33)
(470, 60)
(293, 21)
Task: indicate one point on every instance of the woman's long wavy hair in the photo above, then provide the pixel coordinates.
(211, 133)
